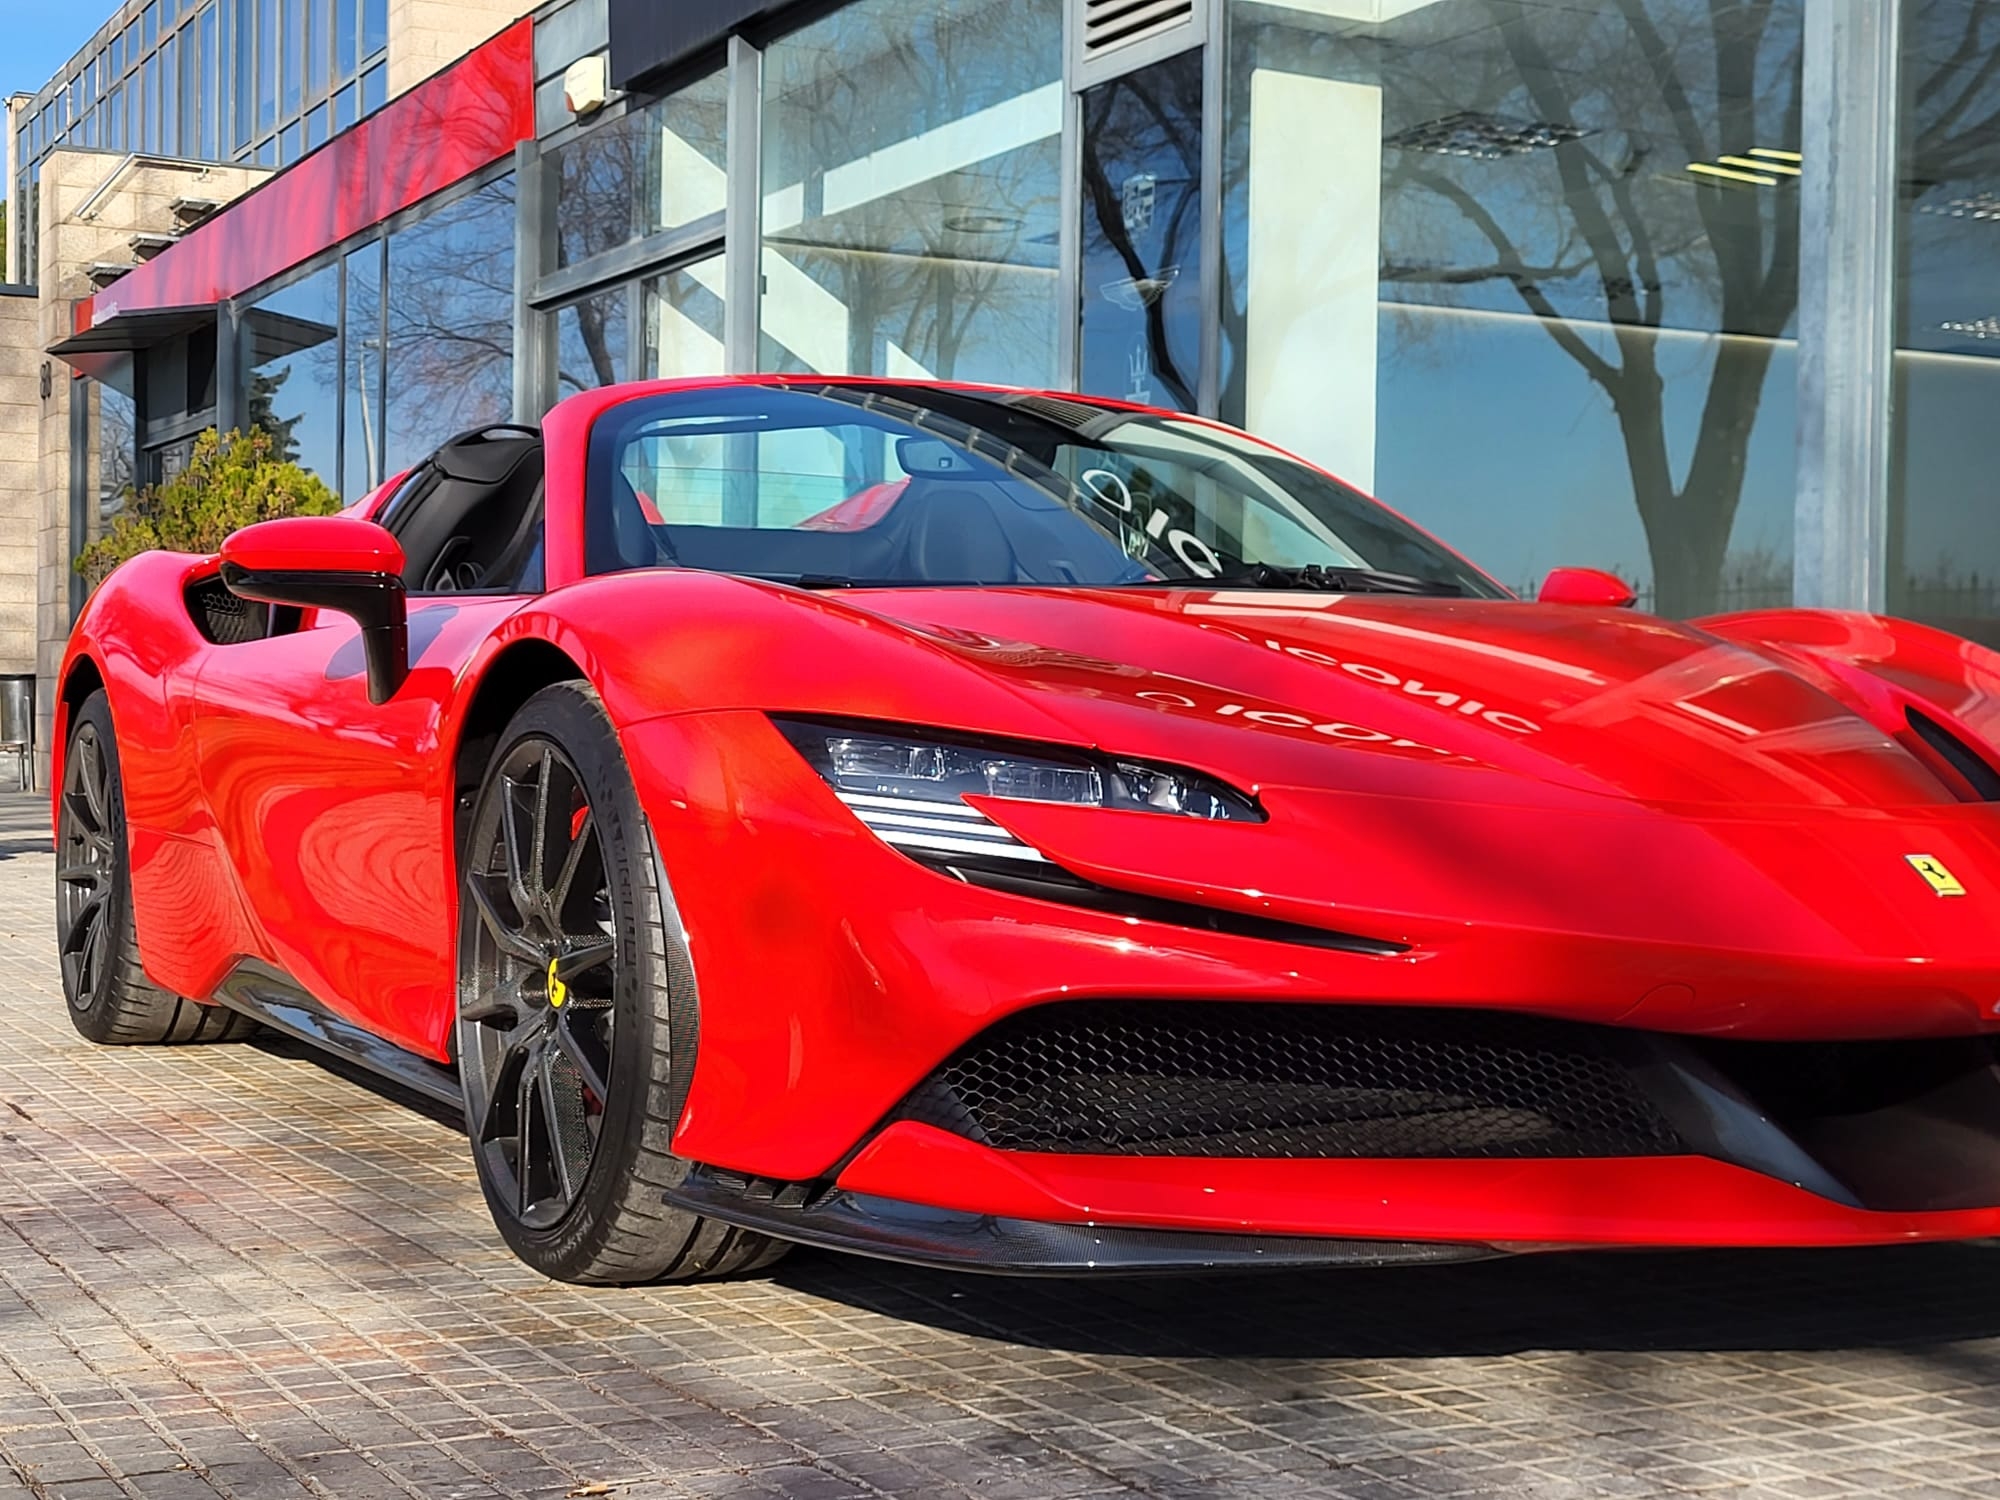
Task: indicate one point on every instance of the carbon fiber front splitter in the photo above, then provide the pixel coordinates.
(915, 1234)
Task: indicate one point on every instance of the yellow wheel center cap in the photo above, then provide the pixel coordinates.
(558, 991)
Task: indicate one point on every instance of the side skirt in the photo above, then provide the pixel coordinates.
(276, 1000)
(947, 1239)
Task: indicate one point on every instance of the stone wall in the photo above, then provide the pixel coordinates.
(20, 481)
(138, 201)
(425, 36)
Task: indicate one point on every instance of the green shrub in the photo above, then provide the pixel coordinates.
(229, 482)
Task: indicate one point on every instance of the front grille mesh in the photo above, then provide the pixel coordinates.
(1200, 1079)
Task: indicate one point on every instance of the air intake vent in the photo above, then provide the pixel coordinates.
(1255, 1079)
(1111, 24)
(222, 618)
(1961, 757)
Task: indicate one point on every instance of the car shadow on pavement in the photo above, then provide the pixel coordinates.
(1917, 1297)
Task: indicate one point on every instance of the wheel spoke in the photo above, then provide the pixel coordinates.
(524, 1110)
(552, 1115)
(86, 958)
(80, 874)
(539, 855)
(89, 915)
(566, 877)
(90, 777)
(511, 940)
(583, 958)
(490, 1011)
(593, 1076)
(510, 840)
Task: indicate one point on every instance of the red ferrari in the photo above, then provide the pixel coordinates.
(1038, 834)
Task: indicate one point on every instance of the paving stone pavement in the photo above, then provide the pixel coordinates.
(230, 1271)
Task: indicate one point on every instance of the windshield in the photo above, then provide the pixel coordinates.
(899, 485)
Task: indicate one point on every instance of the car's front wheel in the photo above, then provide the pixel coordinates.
(577, 1012)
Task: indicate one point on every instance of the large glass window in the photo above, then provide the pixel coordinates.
(116, 455)
(318, 42)
(361, 448)
(592, 341)
(683, 311)
(451, 323)
(911, 178)
(1529, 271)
(292, 350)
(293, 54)
(655, 169)
(1945, 513)
(1142, 312)
(267, 64)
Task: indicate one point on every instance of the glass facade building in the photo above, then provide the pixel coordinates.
(262, 81)
(1565, 281)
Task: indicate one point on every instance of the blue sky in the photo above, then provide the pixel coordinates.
(38, 36)
(42, 35)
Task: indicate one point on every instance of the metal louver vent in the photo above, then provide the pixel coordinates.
(1110, 24)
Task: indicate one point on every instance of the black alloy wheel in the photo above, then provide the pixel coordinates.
(110, 998)
(577, 1012)
(536, 1033)
(87, 869)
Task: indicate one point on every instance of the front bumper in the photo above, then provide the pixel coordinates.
(837, 977)
(923, 1197)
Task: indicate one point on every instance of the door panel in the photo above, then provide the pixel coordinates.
(336, 813)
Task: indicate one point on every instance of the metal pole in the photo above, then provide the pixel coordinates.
(743, 211)
(1847, 223)
(1069, 236)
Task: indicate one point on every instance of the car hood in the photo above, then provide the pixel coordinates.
(1380, 693)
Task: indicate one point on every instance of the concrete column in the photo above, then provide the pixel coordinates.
(1848, 211)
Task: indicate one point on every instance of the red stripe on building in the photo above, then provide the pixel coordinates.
(440, 132)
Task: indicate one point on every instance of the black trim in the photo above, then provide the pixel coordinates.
(947, 1239)
(274, 999)
(376, 601)
(647, 37)
(1058, 885)
(1961, 757)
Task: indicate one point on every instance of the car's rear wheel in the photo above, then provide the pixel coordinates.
(577, 1012)
(110, 998)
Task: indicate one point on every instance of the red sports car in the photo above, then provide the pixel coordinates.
(1039, 834)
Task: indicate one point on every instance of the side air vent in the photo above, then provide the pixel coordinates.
(222, 618)
(1111, 24)
(1961, 757)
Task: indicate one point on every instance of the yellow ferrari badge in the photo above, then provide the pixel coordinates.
(1932, 869)
(559, 992)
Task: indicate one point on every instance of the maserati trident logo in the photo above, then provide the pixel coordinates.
(1936, 875)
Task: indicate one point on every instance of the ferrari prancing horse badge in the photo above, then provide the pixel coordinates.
(1932, 869)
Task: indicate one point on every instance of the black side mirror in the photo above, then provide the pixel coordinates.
(330, 562)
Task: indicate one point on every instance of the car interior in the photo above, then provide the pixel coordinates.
(470, 518)
(956, 520)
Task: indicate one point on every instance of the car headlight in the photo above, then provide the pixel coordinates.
(910, 789)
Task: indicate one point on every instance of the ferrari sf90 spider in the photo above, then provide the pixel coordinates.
(1040, 834)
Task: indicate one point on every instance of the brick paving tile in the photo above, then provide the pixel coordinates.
(233, 1273)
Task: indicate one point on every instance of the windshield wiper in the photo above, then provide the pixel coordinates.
(1313, 577)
